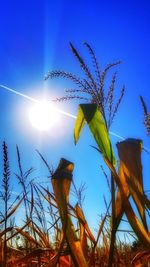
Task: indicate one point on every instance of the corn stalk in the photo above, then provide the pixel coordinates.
(61, 182)
(129, 180)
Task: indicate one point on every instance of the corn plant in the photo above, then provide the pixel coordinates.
(93, 87)
(129, 180)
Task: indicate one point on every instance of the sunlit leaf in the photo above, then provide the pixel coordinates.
(91, 114)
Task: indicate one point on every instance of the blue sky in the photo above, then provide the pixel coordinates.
(34, 39)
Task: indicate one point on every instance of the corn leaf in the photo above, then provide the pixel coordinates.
(131, 176)
(92, 115)
(82, 220)
(136, 225)
(61, 182)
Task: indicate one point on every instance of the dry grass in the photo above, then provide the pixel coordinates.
(67, 239)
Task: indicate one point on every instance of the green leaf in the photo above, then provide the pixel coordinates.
(80, 121)
(91, 114)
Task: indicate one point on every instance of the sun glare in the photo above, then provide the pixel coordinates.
(43, 116)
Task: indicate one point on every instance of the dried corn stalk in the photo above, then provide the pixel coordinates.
(130, 172)
(61, 182)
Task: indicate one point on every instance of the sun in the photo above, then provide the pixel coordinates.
(43, 116)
